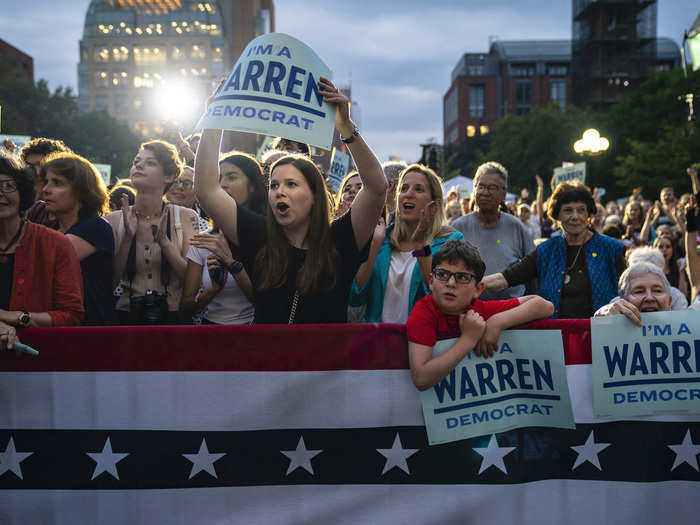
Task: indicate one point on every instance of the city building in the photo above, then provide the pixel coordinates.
(614, 49)
(22, 60)
(148, 61)
(511, 79)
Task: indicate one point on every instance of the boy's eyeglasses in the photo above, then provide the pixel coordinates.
(460, 277)
(185, 184)
(8, 186)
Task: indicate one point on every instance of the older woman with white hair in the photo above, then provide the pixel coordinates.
(643, 287)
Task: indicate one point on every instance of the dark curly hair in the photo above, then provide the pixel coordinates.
(568, 192)
(43, 146)
(23, 177)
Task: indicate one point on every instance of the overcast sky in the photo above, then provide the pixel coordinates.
(397, 54)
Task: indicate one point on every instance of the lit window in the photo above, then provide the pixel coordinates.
(484, 130)
(471, 130)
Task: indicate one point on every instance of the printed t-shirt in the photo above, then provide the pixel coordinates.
(427, 324)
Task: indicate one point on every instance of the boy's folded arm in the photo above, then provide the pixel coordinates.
(531, 307)
(427, 371)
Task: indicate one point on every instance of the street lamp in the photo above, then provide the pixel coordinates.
(591, 143)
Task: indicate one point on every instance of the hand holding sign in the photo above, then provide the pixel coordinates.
(333, 95)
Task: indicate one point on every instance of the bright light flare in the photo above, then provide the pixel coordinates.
(176, 100)
(591, 142)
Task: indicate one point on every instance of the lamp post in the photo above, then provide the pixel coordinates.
(591, 143)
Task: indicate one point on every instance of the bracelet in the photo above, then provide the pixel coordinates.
(235, 267)
(351, 138)
(422, 252)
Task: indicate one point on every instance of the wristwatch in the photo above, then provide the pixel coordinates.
(422, 252)
(235, 267)
(24, 319)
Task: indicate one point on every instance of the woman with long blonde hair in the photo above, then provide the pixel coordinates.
(397, 272)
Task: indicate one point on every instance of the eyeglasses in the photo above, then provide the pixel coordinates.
(491, 188)
(8, 186)
(186, 184)
(460, 277)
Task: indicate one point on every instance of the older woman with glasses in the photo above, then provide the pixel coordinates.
(40, 282)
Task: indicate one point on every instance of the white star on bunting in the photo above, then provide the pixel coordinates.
(589, 452)
(686, 452)
(396, 456)
(300, 458)
(106, 460)
(10, 459)
(493, 455)
(203, 460)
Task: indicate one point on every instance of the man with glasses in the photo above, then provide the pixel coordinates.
(453, 310)
(502, 238)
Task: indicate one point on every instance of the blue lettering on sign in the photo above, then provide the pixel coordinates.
(506, 348)
(284, 52)
(659, 359)
(638, 364)
(251, 112)
(293, 121)
(265, 112)
(683, 329)
(644, 396)
(292, 82)
(275, 73)
(681, 359)
(254, 71)
(496, 414)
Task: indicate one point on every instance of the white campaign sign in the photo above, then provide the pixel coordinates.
(273, 90)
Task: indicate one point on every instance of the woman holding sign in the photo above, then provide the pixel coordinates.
(576, 271)
(301, 263)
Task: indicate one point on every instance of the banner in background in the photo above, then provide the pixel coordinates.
(522, 385)
(273, 90)
(340, 162)
(569, 173)
(645, 370)
(105, 171)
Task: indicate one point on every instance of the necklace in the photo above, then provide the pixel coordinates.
(567, 278)
(4, 258)
(148, 217)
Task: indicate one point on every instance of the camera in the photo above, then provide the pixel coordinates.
(151, 308)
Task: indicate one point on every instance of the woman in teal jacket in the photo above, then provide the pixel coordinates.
(397, 272)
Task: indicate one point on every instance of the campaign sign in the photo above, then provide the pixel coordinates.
(340, 162)
(273, 90)
(105, 171)
(649, 370)
(569, 173)
(522, 385)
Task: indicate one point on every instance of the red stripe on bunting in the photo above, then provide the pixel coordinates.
(240, 348)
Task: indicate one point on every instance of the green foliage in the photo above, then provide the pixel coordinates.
(538, 142)
(656, 142)
(35, 111)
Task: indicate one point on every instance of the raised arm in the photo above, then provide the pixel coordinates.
(214, 200)
(368, 205)
(691, 248)
(540, 198)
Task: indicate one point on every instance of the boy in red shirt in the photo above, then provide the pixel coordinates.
(453, 310)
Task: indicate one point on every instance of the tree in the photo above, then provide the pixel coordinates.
(539, 141)
(656, 141)
(35, 111)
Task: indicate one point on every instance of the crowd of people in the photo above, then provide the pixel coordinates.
(197, 236)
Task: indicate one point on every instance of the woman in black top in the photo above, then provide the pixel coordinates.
(77, 196)
(302, 264)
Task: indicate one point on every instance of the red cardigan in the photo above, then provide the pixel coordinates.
(47, 276)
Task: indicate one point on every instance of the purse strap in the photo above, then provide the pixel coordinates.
(293, 310)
